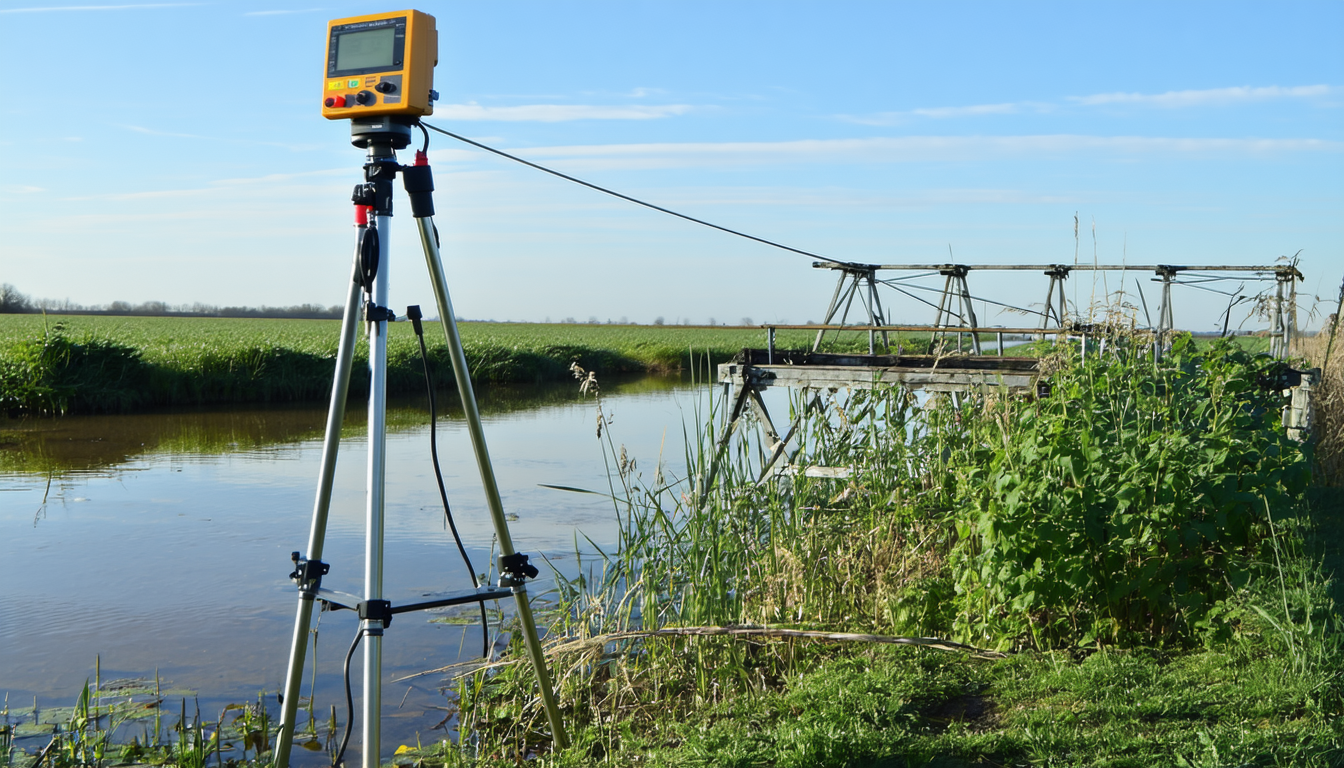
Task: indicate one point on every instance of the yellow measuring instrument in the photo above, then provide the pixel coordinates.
(380, 64)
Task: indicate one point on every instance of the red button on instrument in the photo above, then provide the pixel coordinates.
(335, 101)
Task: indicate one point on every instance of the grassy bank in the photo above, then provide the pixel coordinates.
(118, 364)
(1148, 551)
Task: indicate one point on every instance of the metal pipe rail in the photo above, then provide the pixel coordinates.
(918, 328)
(873, 330)
(956, 304)
(1158, 268)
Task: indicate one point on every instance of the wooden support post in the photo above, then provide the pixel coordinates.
(1165, 322)
(945, 300)
(968, 313)
(830, 310)
(1057, 275)
(875, 313)
(1284, 324)
(731, 418)
(777, 444)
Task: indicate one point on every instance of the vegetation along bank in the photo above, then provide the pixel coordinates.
(1141, 567)
(117, 364)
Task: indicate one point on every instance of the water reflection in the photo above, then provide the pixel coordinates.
(94, 443)
(161, 542)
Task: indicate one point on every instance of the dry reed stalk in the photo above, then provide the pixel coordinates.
(595, 642)
(1328, 402)
(778, 634)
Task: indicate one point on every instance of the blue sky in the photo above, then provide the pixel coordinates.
(176, 151)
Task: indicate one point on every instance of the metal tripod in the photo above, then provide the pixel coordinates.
(381, 137)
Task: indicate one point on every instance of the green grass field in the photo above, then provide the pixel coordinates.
(178, 340)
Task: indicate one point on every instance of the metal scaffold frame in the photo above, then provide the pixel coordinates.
(954, 311)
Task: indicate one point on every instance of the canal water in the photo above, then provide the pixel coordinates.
(161, 543)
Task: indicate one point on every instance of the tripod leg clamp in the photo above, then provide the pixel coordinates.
(307, 574)
(515, 570)
(376, 314)
(376, 610)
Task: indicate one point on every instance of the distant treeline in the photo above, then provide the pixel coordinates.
(14, 302)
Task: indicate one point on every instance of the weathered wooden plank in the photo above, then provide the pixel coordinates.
(795, 357)
(838, 473)
(851, 377)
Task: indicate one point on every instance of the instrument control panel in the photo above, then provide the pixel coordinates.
(380, 64)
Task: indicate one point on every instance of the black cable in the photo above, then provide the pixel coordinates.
(911, 295)
(425, 147)
(1197, 286)
(973, 298)
(627, 198)
(349, 700)
(438, 473)
(915, 276)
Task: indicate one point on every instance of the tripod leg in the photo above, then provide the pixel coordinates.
(376, 493)
(331, 442)
(462, 376)
(731, 417)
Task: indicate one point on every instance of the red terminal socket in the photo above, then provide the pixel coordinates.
(362, 213)
(421, 158)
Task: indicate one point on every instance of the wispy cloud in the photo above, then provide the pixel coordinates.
(1170, 99)
(971, 111)
(849, 198)
(558, 113)
(907, 149)
(941, 113)
(281, 13)
(198, 137)
(1209, 96)
(152, 132)
(128, 7)
(270, 185)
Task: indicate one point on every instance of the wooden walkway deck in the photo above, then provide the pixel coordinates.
(761, 369)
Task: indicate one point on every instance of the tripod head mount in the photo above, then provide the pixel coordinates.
(390, 131)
